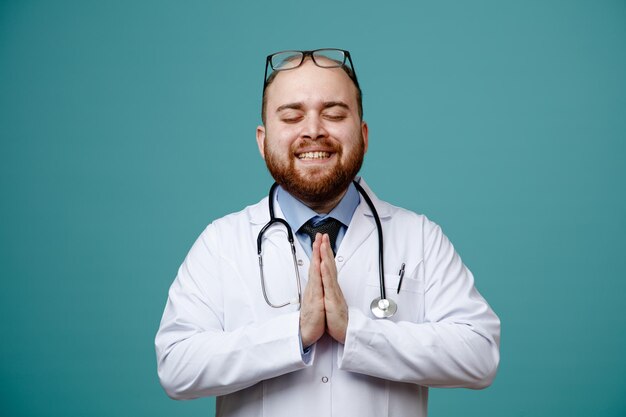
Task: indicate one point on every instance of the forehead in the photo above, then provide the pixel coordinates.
(309, 84)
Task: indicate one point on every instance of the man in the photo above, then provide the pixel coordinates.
(237, 327)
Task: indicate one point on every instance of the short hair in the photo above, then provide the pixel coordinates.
(347, 69)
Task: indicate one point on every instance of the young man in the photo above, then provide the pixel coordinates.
(239, 327)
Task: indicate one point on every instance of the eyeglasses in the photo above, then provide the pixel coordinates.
(323, 58)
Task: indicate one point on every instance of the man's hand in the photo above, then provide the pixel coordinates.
(334, 303)
(312, 313)
(323, 305)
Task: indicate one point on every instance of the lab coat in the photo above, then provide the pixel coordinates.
(218, 337)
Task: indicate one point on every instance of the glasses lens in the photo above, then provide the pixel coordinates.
(286, 60)
(329, 58)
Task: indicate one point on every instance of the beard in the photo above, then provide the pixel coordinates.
(318, 185)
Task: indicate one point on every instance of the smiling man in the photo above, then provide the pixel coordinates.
(356, 340)
(314, 140)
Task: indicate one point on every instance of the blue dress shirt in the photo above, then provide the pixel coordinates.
(297, 213)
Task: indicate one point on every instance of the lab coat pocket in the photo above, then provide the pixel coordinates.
(410, 298)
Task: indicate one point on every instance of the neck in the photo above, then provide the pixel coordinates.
(325, 207)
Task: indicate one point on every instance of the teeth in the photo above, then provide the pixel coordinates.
(314, 155)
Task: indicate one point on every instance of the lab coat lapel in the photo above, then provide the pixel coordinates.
(301, 256)
(361, 227)
(276, 237)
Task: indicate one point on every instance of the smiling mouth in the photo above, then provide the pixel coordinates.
(313, 155)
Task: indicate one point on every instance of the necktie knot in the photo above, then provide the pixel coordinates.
(329, 226)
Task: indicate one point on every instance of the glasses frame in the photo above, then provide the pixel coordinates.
(311, 53)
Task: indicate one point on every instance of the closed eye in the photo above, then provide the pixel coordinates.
(291, 119)
(335, 111)
(335, 117)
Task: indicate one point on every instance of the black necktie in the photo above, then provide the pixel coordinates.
(329, 226)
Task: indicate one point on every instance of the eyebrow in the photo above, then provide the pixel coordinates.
(299, 106)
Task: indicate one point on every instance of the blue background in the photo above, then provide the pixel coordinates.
(127, 126)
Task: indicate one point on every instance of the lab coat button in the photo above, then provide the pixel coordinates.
(300, 263)
(324, 379)
(339, 258)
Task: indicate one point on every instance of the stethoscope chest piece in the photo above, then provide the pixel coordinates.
(383, 308)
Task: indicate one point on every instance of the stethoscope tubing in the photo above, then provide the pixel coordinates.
(381, 307)
(273, 220)
(379, 230)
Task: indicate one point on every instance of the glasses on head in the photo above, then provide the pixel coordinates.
(323, 58)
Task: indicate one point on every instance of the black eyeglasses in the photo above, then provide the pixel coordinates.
(324, 58)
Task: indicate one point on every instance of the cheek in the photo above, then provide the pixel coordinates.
(284, 133)
(347, 136)
(280, 146)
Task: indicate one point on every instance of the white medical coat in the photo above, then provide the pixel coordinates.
(218, 337)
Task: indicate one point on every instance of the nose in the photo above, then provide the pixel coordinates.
(314, 128)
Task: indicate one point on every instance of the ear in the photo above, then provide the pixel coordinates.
(364, 132)
(260, 139)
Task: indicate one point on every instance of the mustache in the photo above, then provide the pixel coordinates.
(324, 143)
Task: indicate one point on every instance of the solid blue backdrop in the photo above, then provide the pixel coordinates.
(126, 127)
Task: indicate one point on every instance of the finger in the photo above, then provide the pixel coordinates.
(328, 267)
(314, 268)
(316, 245)
(312, 312)
(326, 249)
(314, 290)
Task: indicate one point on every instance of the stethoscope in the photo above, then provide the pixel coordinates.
(382, 307)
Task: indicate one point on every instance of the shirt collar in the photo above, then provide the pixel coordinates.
(297, 213)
